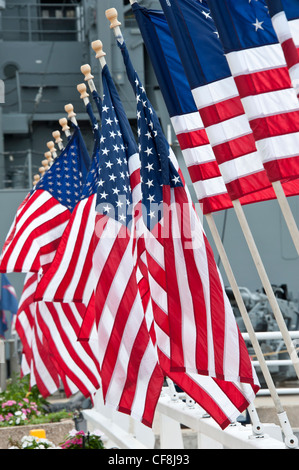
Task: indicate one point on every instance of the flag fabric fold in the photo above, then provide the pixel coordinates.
(279, 11)
(106, 279)
(185, 290)
(217, 99)
(186, 121)
(258, 65)
(131, 376)
(42, 217)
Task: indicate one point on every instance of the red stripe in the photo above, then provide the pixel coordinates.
(192, 139)
(172, 290)
(222, 111)
(284, 169)
(87, 266)
(204, 171)
(263, 82)
(235, 148)
(49, 334)
(39, 231)
(290, 52)
(216, 203)
(271, 126)
(120, 321)
(250, 185)
(140, 345)
(193, 389)
(195, 286)
(152, 396)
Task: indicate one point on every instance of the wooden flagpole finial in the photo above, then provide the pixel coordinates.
(56, 136)
(98, 48)
(36, 179)
(58, 139)
(82, 90)
(88, 77)
(111, 15)
(51, 146)
(65, 127)
(69, 108)
(86, 70)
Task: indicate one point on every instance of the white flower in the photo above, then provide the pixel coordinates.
(18, 413)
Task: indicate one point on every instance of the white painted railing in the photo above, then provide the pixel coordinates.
(178, 418)
(177, 421)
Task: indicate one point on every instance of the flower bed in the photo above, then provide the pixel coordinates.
(55, 432)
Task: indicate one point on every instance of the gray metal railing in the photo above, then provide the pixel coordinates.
(43, 22)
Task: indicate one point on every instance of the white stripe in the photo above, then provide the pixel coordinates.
(198, 155)
(277, 147)
(240, 167)
(281, 26)
(228, 130)
(211, 187)
(119, 376)
(256, 59)
(215, 92)
(37, 242)
(146, 369)
(187, 123)
(270, 103)
(294, 26)
(134, 163)
(188, 322)
(60, 345)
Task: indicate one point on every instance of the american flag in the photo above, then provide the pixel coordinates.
(257, 63)
(217, 99)
(69, 278)
(190, 307)
(186, 121)
(42, 217)
(36, 358)
(285, 19)
(88, 276)
(130, 373)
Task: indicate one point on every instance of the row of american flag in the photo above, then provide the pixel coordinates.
(122, 289)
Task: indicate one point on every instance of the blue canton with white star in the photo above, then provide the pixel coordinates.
(63, 180)
(114, 195)
(243, 24)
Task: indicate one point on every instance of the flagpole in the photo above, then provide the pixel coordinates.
(111, 15)
(69, 108)
(58, 139)
(51, 147)
(83, 93)
(287, 213)
(258, 263)
(88, 77)
(65, 127)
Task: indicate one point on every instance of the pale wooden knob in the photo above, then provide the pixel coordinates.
(36, 179)
(69, 108)
(86, 70)
(63, 123)
(82, 90)
(111, 15)
(42, 170)
(98, 48)
(56, 135)
(45, 163)
(51, 146)
(48, 155)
